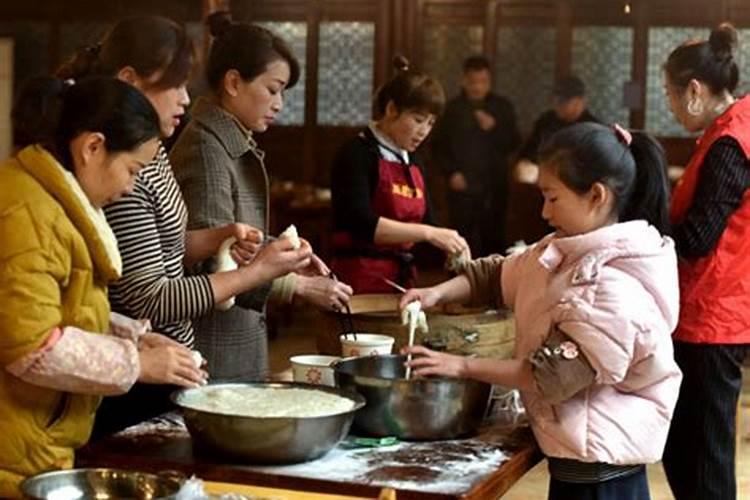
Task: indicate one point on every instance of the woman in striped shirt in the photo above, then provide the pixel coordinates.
(155, 55)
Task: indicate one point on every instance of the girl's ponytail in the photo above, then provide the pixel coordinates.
(649, 199)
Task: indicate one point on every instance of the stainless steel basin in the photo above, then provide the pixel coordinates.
(101, 484)
(268, 440)
(416, 409)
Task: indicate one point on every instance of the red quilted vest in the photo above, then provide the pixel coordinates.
(715, 289)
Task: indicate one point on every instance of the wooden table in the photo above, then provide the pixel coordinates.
(483, 467)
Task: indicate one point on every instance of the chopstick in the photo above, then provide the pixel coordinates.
(394, 284)
(346, 321)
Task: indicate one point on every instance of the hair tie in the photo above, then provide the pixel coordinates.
(94, 49)
(622, 134)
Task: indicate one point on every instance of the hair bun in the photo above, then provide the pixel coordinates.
(219, 23)
(723, 41)
(400, 63)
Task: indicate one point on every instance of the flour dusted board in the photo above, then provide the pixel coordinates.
(472, 469)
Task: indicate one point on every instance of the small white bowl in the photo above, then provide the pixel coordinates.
(365, 344)
(313, 369)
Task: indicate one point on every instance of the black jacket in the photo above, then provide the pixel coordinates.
(459, 144)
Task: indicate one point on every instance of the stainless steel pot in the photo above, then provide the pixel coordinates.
(268, 440)
(101, 484)
(417, 409)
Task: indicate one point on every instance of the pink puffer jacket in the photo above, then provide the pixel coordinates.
(615, 292)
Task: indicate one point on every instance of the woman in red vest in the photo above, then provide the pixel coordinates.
(710, 213)
(379, 196)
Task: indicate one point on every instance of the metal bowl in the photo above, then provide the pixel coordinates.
(268, 440)
(416, 409)
(100, 483)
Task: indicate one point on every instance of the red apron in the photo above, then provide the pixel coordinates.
(399, 195)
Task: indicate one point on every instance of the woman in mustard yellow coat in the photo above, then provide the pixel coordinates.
(60, 349)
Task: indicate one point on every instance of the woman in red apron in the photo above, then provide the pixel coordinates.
(380, 203)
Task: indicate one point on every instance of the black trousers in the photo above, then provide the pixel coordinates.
(699, 456)
(632, 487)
(141, 403)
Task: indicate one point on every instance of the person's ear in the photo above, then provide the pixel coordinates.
(391, 111)
(232, 81)
(693, 90)
(129, 75)
(599, 195)
(90, 148)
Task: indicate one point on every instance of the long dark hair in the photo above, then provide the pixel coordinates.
(586, 153)
(51, 112)
(148, 44)
(710, 61)
(247, 48)
(410, 90)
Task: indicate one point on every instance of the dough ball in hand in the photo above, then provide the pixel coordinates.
(291, 234)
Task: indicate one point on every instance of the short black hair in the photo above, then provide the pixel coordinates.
(476, 63)
(568, 88)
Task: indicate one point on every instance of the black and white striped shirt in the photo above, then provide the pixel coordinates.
(150, 225)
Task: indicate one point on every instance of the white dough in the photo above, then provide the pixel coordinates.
(267, 402)
(413, 316)
(291, 233)
(197, 358)
(225, 262)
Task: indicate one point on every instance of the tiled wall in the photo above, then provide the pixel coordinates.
(445, 47)
(602, 57)
(345, 80)
(6, 93)
(525, 69)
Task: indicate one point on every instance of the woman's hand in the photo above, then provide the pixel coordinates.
(164, 361)
(447, 240)
(248, 242)
(279, 258)
(323, 292)
(317, 267)
(429, 297)
(427, 362)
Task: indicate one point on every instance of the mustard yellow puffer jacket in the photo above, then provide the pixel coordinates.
(56, 258)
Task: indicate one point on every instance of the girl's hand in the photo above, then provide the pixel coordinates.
(429, 297)
(447, 240)
(323, 292)
(248, 242)
(279, 258)
(428, 362)
(164, 361)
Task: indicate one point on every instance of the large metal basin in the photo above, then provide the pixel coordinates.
(268, 440)
(100, 483)
(416, 409)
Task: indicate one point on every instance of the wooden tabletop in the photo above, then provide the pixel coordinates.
(482, 467)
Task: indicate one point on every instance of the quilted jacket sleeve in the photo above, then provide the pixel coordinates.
(29, 289)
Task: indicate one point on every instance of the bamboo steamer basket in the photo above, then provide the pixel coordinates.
(453, 329)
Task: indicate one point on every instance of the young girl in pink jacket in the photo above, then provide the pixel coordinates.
(595, 303)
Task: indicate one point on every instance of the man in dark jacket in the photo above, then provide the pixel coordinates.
(471, 145)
